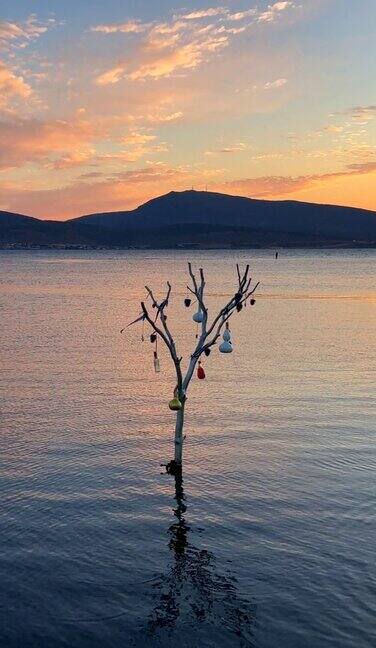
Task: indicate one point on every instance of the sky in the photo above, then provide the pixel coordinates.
(104, 105)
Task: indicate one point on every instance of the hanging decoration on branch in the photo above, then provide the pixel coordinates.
(157, 365)
(187, 300)
(200, 371)
(175, 404)
(226, 346)
(198, 317)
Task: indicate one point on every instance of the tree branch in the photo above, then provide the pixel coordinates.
(166, 336)
(208, 337)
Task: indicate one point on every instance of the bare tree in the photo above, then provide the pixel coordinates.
(208, 336)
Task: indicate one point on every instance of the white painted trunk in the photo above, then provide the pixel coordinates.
(179, 435)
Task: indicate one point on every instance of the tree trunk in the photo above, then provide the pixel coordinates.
(179, 434)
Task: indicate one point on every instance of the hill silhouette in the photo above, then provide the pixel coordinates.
(201, 219)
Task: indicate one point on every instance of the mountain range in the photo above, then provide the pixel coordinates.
(191, 219)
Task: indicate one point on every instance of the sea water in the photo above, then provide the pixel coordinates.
(269, 539)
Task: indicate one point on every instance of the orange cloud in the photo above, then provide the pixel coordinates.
(111, 76)
(165, 52)
(12, 86)
(125, 191)
(97, 191)
(19, 34)
(138, 138)
(275, 186)
(30, 140)
(186, 57)
(74, 159)
(183, 43)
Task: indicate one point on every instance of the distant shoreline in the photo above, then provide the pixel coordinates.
(185, 248)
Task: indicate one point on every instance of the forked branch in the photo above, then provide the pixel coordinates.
(209, 332)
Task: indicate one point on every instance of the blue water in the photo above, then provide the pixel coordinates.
(269, 540)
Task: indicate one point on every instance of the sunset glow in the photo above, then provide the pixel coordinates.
(106, 105)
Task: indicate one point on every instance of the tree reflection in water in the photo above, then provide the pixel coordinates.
(193, 601)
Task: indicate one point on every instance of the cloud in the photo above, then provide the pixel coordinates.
(65, 144)
(162, 118)
(136, 144)
(163, 60)
(124, 190)
(278, 83)
(240, 15)
(184, 42)
(234, 148)
(166, 51)
(362, 167)
(273, 186)
(114, 75)
(333, 129)
(128, 27)
(362, 113)
(204, 13)
(32, 140)
(100, 190)
(266, 186)
(274, 10)
(19, 34)
(138, 138)
(176, 47)
(74, 159)
(12, 87)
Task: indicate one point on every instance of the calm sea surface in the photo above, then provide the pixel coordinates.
(270, 540)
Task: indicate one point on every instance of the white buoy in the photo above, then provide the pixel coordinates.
(225, 347)
(227, 336)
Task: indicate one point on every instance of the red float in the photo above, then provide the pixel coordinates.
(200, 372)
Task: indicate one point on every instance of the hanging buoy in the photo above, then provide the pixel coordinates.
(198, 317)
(207, 352)
(157, 366)
(187, 302)
(226, 347)
(200, 371)
(239, 307)
(175, 404)
(227, 335)
(153, 338)
(252, 302)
